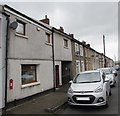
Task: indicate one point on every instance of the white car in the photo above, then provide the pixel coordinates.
(114, 71)
(89, 89)
(110, 75)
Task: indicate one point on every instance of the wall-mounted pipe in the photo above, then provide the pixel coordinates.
(53, 58)
(6, 59)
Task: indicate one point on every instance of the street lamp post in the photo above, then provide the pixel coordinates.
(104, 50)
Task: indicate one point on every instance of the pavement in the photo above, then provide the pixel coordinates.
(48, 104)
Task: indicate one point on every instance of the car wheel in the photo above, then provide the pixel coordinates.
(107, 100)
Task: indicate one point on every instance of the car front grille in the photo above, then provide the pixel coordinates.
(91, 97)
(83, 91)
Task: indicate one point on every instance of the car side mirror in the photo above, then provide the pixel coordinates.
(106, 80)
(71, 82)
(115, 73)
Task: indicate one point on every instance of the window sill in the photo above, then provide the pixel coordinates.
(48, 44)
(66, 47)
(77, 55)
(20, 35)
(30, 84)
(81, 55)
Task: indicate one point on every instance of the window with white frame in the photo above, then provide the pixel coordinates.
(81, 50)
(21, 27)
(28, 73)
(66, 43)
(77, 66)
(48, 39)
(76, 47)
(82, 66)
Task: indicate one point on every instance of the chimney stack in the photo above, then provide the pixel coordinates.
(84, 42)
(71, 35)
(46, 20)
(61, 29)
(88, 45)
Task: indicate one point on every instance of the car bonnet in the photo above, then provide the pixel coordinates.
(85, 86)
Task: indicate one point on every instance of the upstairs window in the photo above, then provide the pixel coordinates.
(66, 43)
(76, 47)
(81, 50)
(21, 27)
(48, 39)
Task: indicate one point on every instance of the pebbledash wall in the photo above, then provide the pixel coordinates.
(29, 49)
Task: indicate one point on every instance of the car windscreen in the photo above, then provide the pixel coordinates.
(87, 78)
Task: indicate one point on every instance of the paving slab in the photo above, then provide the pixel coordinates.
(46, 104)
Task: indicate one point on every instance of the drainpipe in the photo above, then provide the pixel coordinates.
(80, 60)
(54, 83)
(84, 57)
(6, 61)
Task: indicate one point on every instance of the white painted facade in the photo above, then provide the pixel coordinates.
(61, 53)
(30, 48)
(44, 78)
(3, 24)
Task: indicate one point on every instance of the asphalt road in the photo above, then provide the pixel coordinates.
(112, 109)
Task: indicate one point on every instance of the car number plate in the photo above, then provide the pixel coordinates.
(82, 98)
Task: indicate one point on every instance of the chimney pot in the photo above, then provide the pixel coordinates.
(61, 29)
(88, 45)
(46, 20)
(84, 42)
(45, 16)
(71, 35)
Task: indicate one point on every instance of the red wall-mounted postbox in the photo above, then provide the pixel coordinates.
(11, 84)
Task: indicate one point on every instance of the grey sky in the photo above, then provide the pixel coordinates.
(88, 21)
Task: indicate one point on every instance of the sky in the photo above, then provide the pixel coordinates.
(88, 21)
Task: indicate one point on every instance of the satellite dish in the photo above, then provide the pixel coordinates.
(14, 25)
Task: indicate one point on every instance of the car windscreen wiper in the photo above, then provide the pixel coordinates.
(88, 82)
(94, 81)
(84, 82)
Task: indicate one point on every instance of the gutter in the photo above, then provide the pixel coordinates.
(62, 33)
(25, 16)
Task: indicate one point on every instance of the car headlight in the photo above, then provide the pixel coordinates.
(99, 89)
(70, 90)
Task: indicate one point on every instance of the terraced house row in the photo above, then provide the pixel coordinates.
(35, 57)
